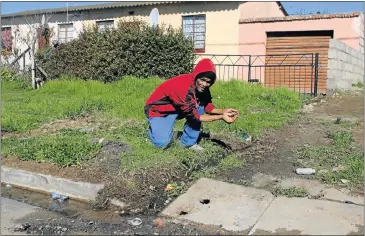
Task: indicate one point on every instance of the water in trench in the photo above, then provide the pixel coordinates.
(69, 208)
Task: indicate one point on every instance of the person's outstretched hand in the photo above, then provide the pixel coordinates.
(230, 117)
(230, 110)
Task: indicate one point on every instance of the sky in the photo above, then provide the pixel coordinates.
(293, 8)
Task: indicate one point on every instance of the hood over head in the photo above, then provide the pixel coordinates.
(205, 68)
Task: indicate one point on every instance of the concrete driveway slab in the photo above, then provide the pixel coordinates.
(232, 207)
(293, 216)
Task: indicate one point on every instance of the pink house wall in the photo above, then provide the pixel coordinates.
(252, 36)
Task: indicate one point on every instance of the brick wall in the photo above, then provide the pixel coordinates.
(345, 66)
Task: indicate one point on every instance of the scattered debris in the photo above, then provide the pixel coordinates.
(22, 227)
(58, 197)
(338, 168)
(247, 138)
(87, 130)
(205, 201)
(159, 223)
(305, 171)
(338, 120)
(168, 187)
(323, 171)
(64, 229)
(91, 222)
(8, 186)
(345, 181)
(135, 221)
(123, 213)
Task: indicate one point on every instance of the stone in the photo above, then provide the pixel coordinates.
(229, 205)
(308, 108)
(22, 227)
(338, 168)
(345, 181)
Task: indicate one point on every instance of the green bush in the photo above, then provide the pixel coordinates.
(133, 48)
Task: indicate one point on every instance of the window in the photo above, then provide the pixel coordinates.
(65, 33)
(6, 39)
(103, 25)
(194, 28)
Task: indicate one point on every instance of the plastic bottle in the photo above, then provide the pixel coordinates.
(305, 171)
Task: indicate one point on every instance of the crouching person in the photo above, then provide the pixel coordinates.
(184, 96)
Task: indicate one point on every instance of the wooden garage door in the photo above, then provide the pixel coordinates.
(295, 71)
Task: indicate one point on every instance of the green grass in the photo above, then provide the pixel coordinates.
(64, 149)
(120, 104)
(290, 192)
(24, 110)
(341, 153)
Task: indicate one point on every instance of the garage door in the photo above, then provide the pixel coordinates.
(295, 71)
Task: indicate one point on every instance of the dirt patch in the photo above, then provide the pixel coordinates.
(351, 104)
(274, 153)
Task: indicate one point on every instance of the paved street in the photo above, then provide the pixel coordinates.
(14, 213)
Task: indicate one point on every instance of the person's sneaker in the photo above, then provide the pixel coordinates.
(197, 148)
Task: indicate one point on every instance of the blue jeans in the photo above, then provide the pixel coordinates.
(161, 130)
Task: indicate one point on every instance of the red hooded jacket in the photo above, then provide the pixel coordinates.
(178, 95)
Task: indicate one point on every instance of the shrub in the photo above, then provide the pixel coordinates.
(12, 80)
(133, 48)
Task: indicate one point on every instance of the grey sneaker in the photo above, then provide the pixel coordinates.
(197, 148)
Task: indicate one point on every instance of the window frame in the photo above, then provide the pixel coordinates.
(103, 22)
(67, 38)
(197, 50)
(8, 49)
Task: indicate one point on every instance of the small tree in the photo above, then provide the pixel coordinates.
(36, 27)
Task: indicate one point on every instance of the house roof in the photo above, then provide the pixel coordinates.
(101, 6)
(282, 8)
(297, 18)
(82, 8)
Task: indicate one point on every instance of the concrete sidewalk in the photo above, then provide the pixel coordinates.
(256, 211)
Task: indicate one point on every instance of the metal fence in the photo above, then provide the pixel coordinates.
(295, 71)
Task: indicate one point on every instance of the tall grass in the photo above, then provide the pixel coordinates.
(24, 110)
